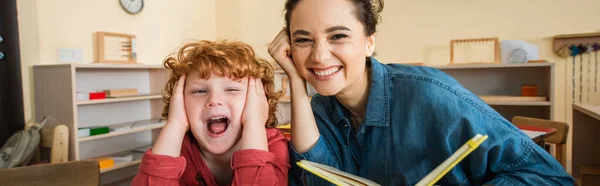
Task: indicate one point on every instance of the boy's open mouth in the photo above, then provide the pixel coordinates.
(217, 125)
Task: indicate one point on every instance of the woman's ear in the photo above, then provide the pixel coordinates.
(370, 45)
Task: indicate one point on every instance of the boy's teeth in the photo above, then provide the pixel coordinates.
(218, 118)
(327, 72)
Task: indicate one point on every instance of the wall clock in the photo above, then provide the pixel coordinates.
(132, 6)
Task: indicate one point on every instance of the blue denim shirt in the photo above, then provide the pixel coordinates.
(416, 118)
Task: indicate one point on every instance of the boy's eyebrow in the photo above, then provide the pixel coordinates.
(328, 30)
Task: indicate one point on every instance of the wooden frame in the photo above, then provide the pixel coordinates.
(495, 40)
(129, 48)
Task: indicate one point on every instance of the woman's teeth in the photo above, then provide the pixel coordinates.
(327, 72)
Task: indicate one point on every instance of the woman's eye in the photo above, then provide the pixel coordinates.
(339, 36)
(232, 90)
(302, 40)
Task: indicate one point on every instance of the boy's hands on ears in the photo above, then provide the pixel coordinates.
(256, 109)
(280, 49)
(177, 115)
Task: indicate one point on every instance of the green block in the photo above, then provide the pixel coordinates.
(99, 130)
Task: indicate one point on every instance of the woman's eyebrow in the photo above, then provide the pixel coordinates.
(328, 30)
(336, 28)
(301, 32)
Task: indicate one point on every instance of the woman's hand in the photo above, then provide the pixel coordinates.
(256, 109)
(280, 49)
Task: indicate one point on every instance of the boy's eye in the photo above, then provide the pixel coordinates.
(338, 36)
(199, 91)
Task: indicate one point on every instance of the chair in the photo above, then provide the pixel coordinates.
(85, 172)
(55, 138)
(559, 138)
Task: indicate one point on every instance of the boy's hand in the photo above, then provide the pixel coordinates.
(256, 109)
(281, 50)
(170, 137)
(177, 116)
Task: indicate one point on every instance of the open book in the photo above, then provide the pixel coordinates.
(339, 177)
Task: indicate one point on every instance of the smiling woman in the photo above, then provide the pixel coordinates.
(379, 121)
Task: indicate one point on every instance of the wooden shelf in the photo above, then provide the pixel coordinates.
(136, 159)
(595, 34)
(123, 132)
(104, 66)
(474, 66)
(123, 99)
(119, 166)
(519, 103)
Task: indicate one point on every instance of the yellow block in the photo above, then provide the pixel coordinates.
(105, 162)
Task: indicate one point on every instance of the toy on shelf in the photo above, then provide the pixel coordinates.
(116, 93)
(115, 48)
(462, 51)
(529, 90)
(579, 44)
(518, 51)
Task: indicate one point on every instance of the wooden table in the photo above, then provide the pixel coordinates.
(586, 140)
(538, 134)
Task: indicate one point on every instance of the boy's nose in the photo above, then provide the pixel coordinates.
(214, 100)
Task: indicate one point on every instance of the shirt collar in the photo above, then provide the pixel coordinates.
(378, 113)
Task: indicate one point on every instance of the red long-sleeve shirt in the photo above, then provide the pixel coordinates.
(250, 167)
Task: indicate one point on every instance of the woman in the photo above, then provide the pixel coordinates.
(392, 124)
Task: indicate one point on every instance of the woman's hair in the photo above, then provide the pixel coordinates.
(236, 60)
(367, 12)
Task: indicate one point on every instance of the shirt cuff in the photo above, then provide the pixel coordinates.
(315, 153)
(251, 158)
(162, 166)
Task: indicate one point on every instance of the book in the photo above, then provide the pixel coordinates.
(339, 177)
(135, 124)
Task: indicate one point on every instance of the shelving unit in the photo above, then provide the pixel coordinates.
(55, 89)
(491, 79)
(506, 80)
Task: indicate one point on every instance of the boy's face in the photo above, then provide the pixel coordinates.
(214, 108)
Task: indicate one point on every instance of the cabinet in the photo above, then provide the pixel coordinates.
(56, 88)
(502, 83)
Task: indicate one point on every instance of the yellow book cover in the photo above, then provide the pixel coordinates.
(339, 177)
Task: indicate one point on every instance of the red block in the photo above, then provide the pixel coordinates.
(97, 95)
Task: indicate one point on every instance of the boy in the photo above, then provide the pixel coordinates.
(220, 115)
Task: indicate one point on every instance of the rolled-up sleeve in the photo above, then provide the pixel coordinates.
(159, 170)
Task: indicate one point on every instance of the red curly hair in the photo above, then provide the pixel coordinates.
(234, 59)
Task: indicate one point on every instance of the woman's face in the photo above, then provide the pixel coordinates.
(329, 46)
